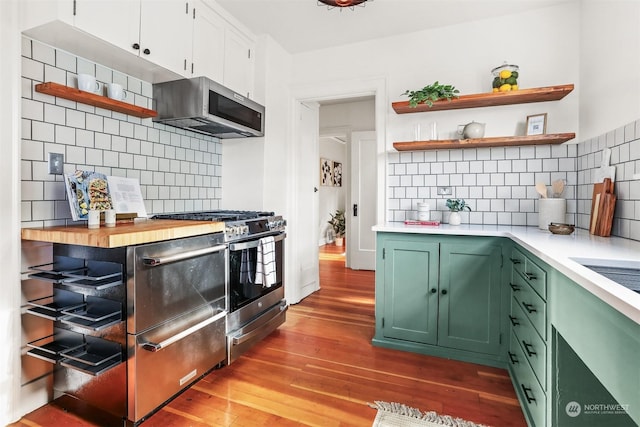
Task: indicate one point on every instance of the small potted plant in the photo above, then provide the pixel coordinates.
(338, 225)
(455, 206)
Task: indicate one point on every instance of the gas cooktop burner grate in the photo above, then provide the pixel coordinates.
(217, 215)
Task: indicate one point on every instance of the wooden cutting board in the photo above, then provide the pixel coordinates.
(602, 207)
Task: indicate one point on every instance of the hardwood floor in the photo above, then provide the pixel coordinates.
(320, 369)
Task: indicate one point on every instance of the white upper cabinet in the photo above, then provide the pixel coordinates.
(238, 62)
(156, 30)
(208, 43)
(166, 28)
(174, 37)
(116, 22)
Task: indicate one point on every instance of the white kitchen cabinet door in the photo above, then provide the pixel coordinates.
(208, 43)
(238, 62)
(166, 31)
(114, 21)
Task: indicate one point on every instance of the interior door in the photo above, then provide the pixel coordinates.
(361, 240)
(304, 231)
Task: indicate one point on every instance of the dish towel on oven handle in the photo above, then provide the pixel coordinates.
(266, 262)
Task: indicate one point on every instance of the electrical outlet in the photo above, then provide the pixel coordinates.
(56, 163)
(444, 191)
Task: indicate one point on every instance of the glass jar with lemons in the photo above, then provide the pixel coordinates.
(505, 78)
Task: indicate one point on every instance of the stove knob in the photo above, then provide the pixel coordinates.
(245, 229)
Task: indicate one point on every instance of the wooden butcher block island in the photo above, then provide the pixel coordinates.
(123, 234)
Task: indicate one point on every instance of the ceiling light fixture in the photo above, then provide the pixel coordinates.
(341, 3)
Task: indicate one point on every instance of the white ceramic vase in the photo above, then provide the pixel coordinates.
(454, 218)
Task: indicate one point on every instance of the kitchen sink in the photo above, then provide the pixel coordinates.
(625, 273)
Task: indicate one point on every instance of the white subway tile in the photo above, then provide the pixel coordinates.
(33, 70)
(84, 138)
(66, 61)
(32, 190)
(32, 109)
(76, 118)
(95, 157)
(56, 75)
(26, 47)
(75, 155)
(41, 131)
(95, 123)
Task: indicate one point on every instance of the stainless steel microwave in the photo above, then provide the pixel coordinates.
(204, 106)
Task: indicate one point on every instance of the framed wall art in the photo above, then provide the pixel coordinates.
(337, 174)
(326, 172)
(537, 124)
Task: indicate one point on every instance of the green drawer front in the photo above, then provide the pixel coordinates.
(518, 261)
(532, 305)
(531, 395)
(532, 345)
(536, 277)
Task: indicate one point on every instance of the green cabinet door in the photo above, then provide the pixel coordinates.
(469, 294)
(410, 290)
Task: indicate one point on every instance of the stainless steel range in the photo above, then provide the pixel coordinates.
(255, 282)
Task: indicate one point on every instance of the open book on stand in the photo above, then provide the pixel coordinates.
(88, 190)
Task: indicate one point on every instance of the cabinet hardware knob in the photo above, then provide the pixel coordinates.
(514, 287)
(146, 51)
(514, 320)
(529, 348)
(136, 46)
(530, 308)
(515, 261)
(530, 276)
(526, 391)
(513, 358)
(434, 290)
(444, 292)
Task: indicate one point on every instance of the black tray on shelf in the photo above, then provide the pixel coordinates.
(92, 324)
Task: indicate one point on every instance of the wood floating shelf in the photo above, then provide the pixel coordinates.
(491, 99)
(73, 94)
(500, 141)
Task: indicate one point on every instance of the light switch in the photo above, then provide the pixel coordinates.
(56, 163)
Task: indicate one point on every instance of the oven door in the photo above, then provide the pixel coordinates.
(243, 259)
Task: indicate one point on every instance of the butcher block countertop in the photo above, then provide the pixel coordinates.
(123, 234)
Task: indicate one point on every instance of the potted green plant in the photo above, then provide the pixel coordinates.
(430, 93)
(337, 222)
(456, 206)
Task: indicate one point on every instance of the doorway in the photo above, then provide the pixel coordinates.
(347, 150)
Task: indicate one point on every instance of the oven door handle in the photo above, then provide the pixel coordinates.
(249, 335)
(153, 261)
(253, 243)
(153, 347)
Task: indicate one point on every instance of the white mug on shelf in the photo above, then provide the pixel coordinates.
(115, 91)
(88, 83)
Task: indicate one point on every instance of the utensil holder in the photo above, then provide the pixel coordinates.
(551, 210)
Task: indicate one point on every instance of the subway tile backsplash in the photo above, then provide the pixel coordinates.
(178, 170)
(498, 183)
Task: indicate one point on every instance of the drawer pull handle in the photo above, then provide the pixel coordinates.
(514, 287)
(529, 307)
(530, 276)
(526, 391)
(513, 358)
(515, 261)
(529, 348)
(514, 321)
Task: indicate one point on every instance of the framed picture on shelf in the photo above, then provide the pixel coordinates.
(337, 174)
(537, 124)
(326, 172)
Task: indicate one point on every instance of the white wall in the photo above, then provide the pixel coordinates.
(10, 130)
(609, 46)
(543, 42)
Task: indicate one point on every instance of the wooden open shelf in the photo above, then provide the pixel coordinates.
(491, 99)
(89, 98)
(500, 141)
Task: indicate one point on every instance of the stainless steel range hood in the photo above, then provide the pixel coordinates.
(204, 106)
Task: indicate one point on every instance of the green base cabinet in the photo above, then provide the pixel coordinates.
(440, 295)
